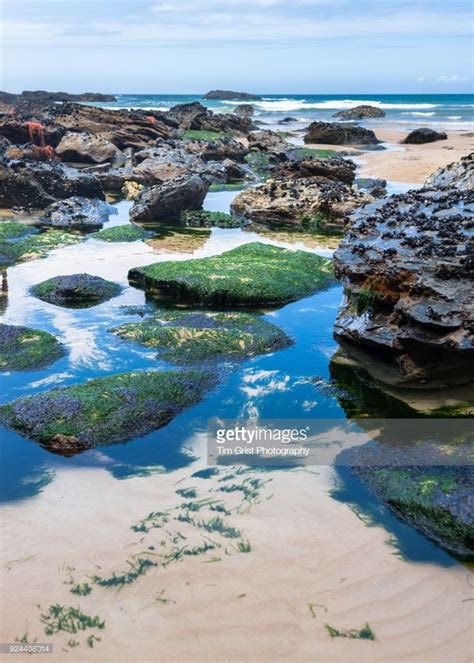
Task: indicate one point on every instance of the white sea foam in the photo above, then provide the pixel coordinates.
(420, 113)
(284, 105)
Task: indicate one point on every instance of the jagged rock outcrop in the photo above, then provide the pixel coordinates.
(424, 135)
(360, 113)
(87, 148)
(269, 141)
(77, 213)
(197, 117)
(459, 174)
(318, 203)
(36, 184)
(407, 268)
(334, 133)
(245, 109)
(165, 202)
(334, 169)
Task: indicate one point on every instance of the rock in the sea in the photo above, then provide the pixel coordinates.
(76, 290)
(424, 135)
(165, 202)
(317, 204)
(459, 174)
(250, 275)
(360, 113)
(333, 133)
(87, 148)
(229, 95)
(77, 213)
(36, 184)
(111, 409)
(407, 267)
(187, 337)
(26, 349)
(126, 233)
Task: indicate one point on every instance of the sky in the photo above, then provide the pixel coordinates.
(262, 46)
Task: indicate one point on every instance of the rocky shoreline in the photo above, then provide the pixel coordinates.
(406, 261)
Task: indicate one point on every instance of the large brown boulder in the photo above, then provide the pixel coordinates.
(269, 141)
(86, 148)
(333, 133)
(424, 135)
(166, 201)
(334, 169)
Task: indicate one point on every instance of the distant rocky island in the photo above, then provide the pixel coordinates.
(228, 95)
(29, 97)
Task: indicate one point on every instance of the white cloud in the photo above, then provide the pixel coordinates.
(454, 78)
(420, 79)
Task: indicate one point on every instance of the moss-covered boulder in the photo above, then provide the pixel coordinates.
(186, 337)
(116, 408)
(13, 230)
(251, 275)
(23, 349)
(127, 233)
(76, 290)
(207, 219)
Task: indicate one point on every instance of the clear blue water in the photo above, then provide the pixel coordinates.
(454, 111)
(275, 385)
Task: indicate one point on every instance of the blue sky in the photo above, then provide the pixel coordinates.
(190, 46)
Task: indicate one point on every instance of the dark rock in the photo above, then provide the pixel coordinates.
(35, 184)
(17, 131)
(228, 95)
(334, 169)
(77, 213)
(333, 133)
(424, 135)
(269, 141)
(288, 120)
(360, 113)
(165, 202)
(195, 116)
(87, 148)
(76, 290)
(245, 109)
(407, 267)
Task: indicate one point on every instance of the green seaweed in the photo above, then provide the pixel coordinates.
(35, 245)
(68, 619)
(183, 337)
(126, 233)
(81, 589)
(216, 187)
(305, 152)
(138, 567)
(250, 275)
(194, 134)
(187, 493)
(216, 524)
(364, 633)
(13, 230)
(28, 349)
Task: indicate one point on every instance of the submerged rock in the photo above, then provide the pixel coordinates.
(77, 213)
(165, 202)
(25, 349)
(36, 184)
(245, 109)
(206, 219)
(269, 141)
(406, 265)
(360, 113)
(424, 135)
(459, 174)
(33, 244)
(87, 148)
(333, 133)
(76, 290)
(250, 275)
(188, 337)
(105, 410)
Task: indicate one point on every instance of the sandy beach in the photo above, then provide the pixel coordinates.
(272, 603)
(409, 163)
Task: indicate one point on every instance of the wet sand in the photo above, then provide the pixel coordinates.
(312, 561)
(409, 163)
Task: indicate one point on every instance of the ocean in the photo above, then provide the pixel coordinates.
(441, 111)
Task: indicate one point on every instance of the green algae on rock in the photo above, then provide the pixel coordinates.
(187, 337)
(33, 244)
(110, 409)
(127, 233)
(23, 348)
(195, 134)
(13, 230)
(251, 275)
(76, 290)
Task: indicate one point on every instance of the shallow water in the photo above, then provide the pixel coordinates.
(275, 385)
